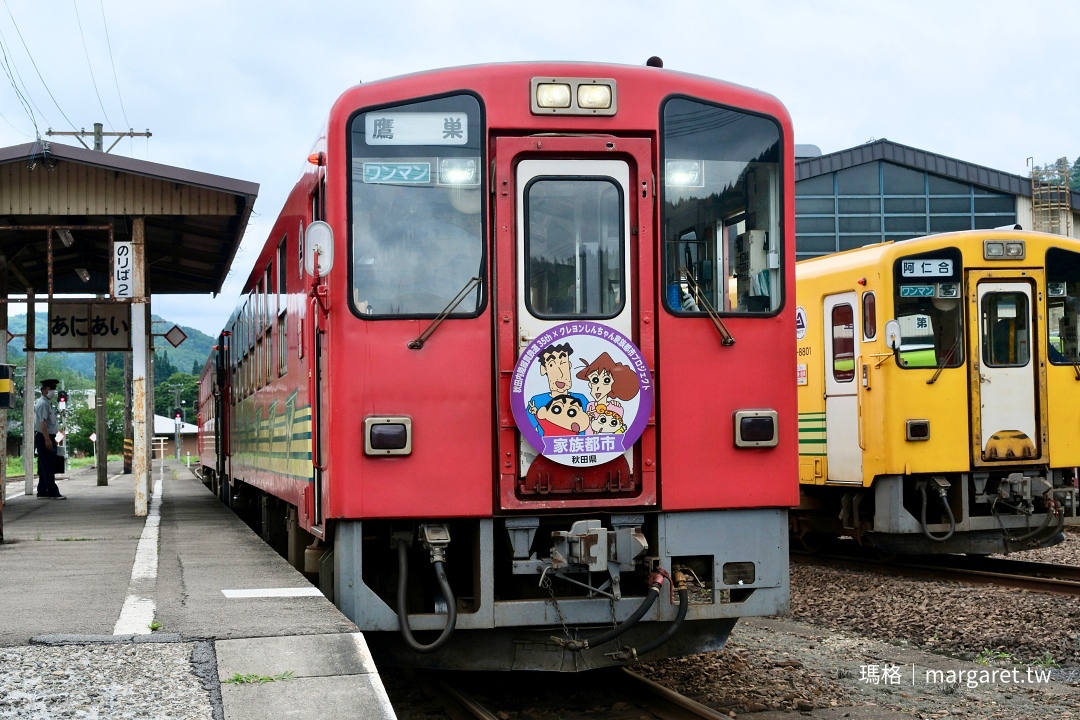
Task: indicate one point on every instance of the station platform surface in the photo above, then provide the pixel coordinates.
(87, 569)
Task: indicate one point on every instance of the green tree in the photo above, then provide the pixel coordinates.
(163, 368)
(1074, 175)
(82, 421)
(180, 390)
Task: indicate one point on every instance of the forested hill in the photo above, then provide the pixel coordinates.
(188, 358)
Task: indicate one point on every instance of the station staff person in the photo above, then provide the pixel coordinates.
(46, 425)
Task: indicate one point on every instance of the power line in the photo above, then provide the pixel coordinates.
(30, 55)
(86, 52)
(12, 73)
(112, 62)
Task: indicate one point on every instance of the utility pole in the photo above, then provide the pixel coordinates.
(99, 134)
(101, 449)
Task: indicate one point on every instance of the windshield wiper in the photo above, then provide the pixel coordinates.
(944, 361)
(450, 306)
(703, 302)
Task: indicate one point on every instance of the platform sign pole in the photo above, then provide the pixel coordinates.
(3, 413)
(101, 452)
(141, 420)
(28, 392)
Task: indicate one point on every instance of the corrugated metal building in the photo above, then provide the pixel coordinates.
(887, 191)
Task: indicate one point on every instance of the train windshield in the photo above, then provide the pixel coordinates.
(721, 209)
(927, 303)
(417, 177)
(1062, 305)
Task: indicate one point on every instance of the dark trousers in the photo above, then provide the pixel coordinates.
(46, 462)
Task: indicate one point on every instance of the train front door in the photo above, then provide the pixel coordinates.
(568, 212)
(842, 390)
(1005, 378)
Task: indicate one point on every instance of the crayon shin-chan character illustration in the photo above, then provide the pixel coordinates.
(546, 415)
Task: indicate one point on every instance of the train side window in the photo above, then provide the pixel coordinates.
(869, 316)
(1062, 305)
(1006, 335)
(843, 343)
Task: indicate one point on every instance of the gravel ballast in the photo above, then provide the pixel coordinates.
(103, 681)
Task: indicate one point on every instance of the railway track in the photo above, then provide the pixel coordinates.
(616, 694)
(1003, 572)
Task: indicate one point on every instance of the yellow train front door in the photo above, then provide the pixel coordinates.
(1006, 382)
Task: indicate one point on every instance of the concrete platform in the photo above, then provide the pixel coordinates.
(87, 566)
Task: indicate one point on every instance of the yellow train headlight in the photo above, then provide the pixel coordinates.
(1004, 250)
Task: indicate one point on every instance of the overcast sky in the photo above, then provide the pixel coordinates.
(240, 88)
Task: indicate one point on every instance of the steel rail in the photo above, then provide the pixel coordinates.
(1039, 577)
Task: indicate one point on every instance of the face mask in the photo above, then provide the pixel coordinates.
(50, 393)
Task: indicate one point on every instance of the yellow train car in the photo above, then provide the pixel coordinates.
(939, 393)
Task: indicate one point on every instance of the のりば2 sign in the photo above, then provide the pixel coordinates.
(581, 394)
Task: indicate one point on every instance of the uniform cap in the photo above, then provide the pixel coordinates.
(51, 382)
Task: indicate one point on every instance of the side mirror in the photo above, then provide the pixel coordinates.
(892, 335)
(892, 339)
(318, 247)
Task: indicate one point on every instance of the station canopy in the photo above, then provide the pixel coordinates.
(194, 221)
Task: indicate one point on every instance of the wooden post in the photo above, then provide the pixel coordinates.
(142, 422)
(29, 386)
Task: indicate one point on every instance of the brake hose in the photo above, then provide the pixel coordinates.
(403, 611)
(656, 581)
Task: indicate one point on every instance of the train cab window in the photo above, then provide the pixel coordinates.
(1005, 327)
(926, 300)
(574, 243)
(843, 343)
(415, 220)
(721, 209)
(1062, 306)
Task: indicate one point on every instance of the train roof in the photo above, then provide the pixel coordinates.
(503, 79)
(887, 252)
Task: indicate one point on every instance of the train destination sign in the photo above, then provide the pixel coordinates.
(926, 268)
(581, 394)
(416, 128)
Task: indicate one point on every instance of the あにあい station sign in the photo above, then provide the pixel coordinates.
(90, 326)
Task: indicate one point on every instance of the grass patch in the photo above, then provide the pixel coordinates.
(154, 626)
(15, 464)
(255, 679)
(988, 656)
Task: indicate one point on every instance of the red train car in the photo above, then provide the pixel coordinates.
(514, 369)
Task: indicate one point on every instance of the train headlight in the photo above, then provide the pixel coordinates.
(683, 173)
(1002, 250)
(553, 95)
(573, 96)
(756, 428)
(387, 435)
(459, 171)
(594, 97)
